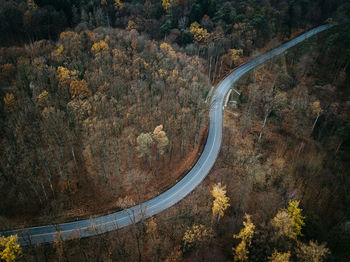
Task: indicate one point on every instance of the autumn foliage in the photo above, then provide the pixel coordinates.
(42, 98)
(96, 119)
(117, 120)
(99, 46)
(79, 88)
(279, 257)
(246, 234)
(221, 201)
(9, 101)
(295, 213)
(160, 137)
(10, 250)
(200, 35)
(196, 234)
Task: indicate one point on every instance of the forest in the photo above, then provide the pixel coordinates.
(104, 104)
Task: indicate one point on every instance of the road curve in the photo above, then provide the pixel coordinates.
(99, 225)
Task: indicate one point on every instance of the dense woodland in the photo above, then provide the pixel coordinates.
(278, 192)
(80, 120)
(206, 27)
(103, 105)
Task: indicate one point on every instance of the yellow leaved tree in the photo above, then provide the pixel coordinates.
(289, 222)
(9, 248)
(233, 57)
(316, 108)
(66, 76)
(118, 4)
(240, 253)
(295, 213)
(167, 48)
(166, 4)
(200, 35)
(151, 227)
(279, 257)
(283, 225)
(161, 138)
(220, 203)
(196, 234)
(79, 88)
(9, 101)
(42, 99)
(100, 46)
(58, 52)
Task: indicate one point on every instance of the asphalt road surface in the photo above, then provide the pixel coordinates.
(99, 225)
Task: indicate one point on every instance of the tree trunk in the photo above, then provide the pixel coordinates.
(263, 126)
(246, 116)
(209, 73)
(220, 69)
(313, 126)
(75, 161)
(118, 170)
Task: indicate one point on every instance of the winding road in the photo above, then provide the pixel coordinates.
(99, 225)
